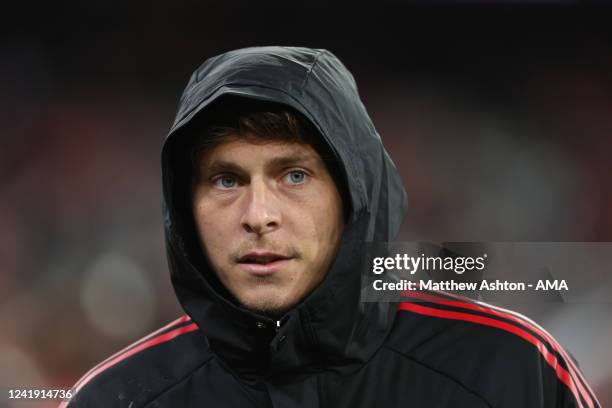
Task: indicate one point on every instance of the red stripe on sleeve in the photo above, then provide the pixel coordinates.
(562, 374)
(178, 321)
(470, 304)
(117, 358)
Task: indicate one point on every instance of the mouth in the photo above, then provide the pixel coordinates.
(261, 258)
(263, 263)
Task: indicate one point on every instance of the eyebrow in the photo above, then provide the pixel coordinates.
(219, 166)
(291, 160)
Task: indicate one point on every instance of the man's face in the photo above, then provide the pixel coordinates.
(270, 219)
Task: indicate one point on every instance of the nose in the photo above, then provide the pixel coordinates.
(262, 213)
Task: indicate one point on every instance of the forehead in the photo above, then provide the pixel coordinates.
(245, 152)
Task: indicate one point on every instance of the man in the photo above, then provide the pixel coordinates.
(273, 178)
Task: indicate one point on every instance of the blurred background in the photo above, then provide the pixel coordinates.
(498, 116)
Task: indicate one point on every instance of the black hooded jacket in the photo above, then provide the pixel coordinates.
(331, 350)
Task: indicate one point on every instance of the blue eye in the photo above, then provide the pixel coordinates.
(225, 182)
(296, 177)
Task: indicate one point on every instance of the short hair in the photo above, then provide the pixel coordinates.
(272, 123)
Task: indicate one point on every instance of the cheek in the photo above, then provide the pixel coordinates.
(211, 229)
(328, 216)
(317, 225)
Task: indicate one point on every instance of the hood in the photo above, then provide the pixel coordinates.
(331, 329)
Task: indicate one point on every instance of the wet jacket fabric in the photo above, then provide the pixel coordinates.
(331, 350)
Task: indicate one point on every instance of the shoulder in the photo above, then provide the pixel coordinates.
(500, 354)
(143, 369)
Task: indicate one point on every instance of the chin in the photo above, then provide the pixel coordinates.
(270, 306)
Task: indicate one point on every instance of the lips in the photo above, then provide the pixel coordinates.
(261, 258)
(263, 263)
